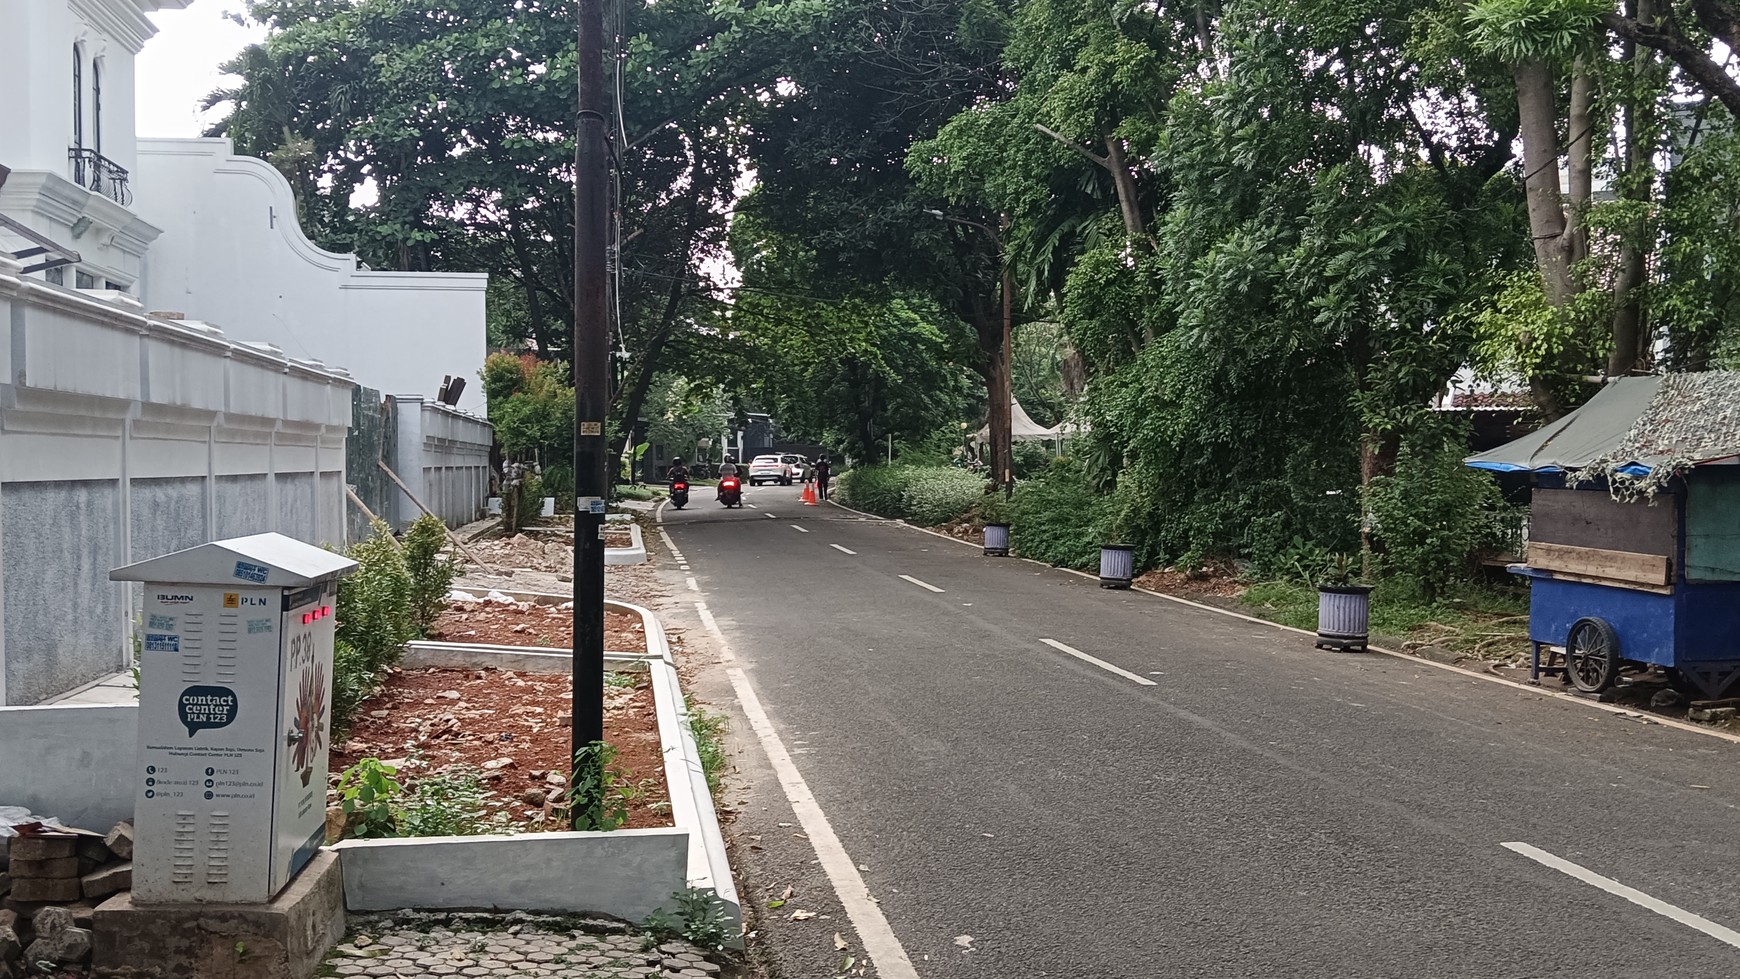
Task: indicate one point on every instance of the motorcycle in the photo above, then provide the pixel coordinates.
(680, 494)
(731, 492)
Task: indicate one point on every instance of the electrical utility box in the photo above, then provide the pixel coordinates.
(235, 694)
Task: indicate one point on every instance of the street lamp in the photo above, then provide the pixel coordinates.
(1002, 442)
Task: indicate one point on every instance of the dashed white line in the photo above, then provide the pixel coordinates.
(1632, 894)
(798, 529)
(842, 550)
(770, 516)
(751, 506)
(693, 585)
(1102, 664)
(883, 948)
(922, 584)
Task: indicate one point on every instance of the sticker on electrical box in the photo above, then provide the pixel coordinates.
(165, 623)
(232, 599)
(595, 506)
(252, 572)
(162, 642)
(204, 708)
(257, 626)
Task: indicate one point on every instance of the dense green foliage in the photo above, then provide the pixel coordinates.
(1061, 518)
(1432, 514)
(926, 495)
(390, 599)
(431, 570)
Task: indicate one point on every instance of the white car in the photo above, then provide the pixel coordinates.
(769, 469)
(800, 467)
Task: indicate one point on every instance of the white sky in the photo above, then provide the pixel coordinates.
(180, 65)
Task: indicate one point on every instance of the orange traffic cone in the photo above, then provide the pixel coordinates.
(810, 495)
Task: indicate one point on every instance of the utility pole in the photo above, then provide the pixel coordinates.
(591, 401)
(1007, 435)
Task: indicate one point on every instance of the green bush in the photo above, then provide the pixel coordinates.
(451, 802)
(926, 495)
(432, 571)
(1060, 518)
(1432, 515)
(352, 682)
(376, 602)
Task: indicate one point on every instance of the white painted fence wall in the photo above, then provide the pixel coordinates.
(123, 437)
(443, 456)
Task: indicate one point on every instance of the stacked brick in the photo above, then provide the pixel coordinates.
(49, 891)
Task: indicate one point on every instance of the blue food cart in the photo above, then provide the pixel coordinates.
(1634, 534)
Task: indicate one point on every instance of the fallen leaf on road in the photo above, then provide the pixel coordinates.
(783, 825)
(863, 866)
(846, 966)
(964, 941)
(775, 904)
(785, 895)
(839, 943)
(802, 915)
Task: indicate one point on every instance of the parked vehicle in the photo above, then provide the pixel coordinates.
(800, 467)
(680, 493)
(769, 469)
(731, 491)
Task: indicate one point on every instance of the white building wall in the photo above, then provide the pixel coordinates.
(232, 253)
(123, 437)
(443, 457)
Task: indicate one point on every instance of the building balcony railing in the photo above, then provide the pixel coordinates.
(100, 175)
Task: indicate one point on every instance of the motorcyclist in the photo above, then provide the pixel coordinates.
(726, 468)
(677, 473)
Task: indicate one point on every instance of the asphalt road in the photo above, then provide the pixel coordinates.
(1262, 809)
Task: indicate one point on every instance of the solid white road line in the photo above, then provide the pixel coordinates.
(1632, 894)
(921, 584)
(798, 529)
(885, 951)
(842, 550)
(1102, 664)
(670, 545)
(693, 585)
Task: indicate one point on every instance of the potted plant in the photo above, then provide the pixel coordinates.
(1343, 607)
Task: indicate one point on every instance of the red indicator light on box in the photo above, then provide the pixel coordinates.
(325, 610)
(307, 617)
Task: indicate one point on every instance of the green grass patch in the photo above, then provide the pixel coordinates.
(1484, 620)
(643, 493)
(709, 731)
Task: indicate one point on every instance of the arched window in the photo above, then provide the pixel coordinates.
(97, 106)
(78, 80)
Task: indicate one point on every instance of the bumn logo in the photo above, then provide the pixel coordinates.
(172, 598)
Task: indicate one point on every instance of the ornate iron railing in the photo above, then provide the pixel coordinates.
(100, 175)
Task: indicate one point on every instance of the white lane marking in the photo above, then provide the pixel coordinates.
(751, 506)
(1102, 664)
(1632, 894)
(842, 550)
(659, 511)
(693, 585)
(770, 516)
(798, 529)
(925, 585)
(683, 567)
(670, 545)
(880, 944)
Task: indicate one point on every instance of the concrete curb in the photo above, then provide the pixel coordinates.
(577, 872)
(634, 553)
(1518, 686)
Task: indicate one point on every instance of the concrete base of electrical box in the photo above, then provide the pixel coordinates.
(286, 939)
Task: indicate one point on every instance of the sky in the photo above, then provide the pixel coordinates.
(180, 65)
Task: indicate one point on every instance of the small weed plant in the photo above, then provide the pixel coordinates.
(451, 802)
(698, 917)
(600, 794)
(709, 731)
(366, 793)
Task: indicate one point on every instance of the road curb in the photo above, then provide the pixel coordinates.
(1516, 685)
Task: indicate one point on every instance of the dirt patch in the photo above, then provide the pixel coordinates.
(525, 624)
(1206, 582)
(432, 719)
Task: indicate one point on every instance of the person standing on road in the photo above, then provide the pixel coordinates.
(823, 471)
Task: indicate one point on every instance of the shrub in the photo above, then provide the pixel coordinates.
(938, 494)
(432, 572)
(352, 682)
(1060, 518)
(922, 494)
(376, 614)
(1433, 514)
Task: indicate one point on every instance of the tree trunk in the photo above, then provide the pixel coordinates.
(1125, 181)
(1639, 178)
(1537, 114)
(1377, 457)
(1581, 169)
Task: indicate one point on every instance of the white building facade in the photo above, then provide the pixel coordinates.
(165, 331)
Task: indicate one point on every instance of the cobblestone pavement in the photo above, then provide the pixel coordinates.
(417, 945)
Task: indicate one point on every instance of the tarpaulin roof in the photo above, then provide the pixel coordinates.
(1022, 428)
(1632, 426)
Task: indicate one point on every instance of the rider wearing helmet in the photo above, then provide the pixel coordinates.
(677, 471)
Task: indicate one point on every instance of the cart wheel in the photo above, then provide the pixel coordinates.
(1592, 655)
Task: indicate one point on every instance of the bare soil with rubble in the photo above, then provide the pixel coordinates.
(513, 727)
(526, 624)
